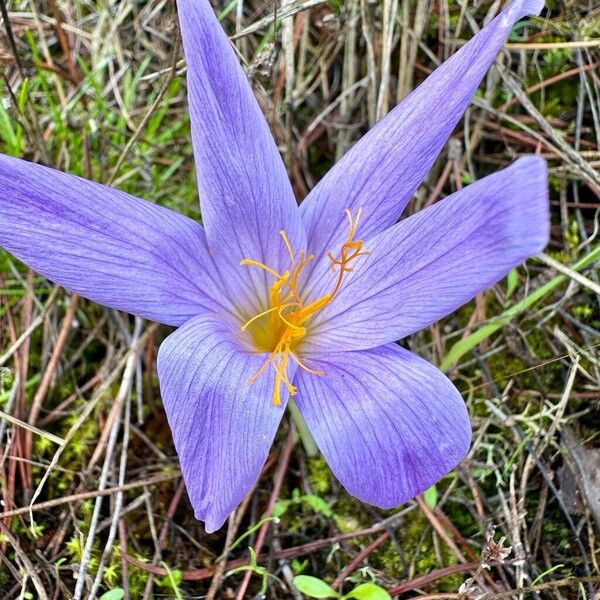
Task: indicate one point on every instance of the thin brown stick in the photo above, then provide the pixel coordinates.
(572, 582)
(42, 390)
(424, 580)
(199, 574)
(215, 584)
(551, 45)
(24, 558)
(286, 453)
(164, 531)
(355, 562)
(93, 494)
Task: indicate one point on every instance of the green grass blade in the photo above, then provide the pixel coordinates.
(461, 347)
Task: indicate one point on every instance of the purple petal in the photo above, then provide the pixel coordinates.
(382, 171)
(222, 426)
(388, 423)
(433, 262)
(245, 194)
(106, 245)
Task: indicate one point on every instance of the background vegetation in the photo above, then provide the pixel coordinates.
(92, 498)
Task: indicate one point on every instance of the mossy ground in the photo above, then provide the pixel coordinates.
(84, 77)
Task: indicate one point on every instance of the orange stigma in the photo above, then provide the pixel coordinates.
(280, 328)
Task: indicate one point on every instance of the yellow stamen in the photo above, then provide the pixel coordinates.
(248, 262)
(259, 315)
(288, 246)
(303, 366)
(301, 331)
(288, 312)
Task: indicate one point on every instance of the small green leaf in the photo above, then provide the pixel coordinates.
(252, 556)
(116, 594)
(318, 505)
(368, 591)
(315, 588)
(512, 281)
(430, 496)
(7, 132)
(171, 580)
(281, 507)
(299, 566)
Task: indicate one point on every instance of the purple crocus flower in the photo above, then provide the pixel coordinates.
(272, 300)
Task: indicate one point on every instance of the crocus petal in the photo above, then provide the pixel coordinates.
(382, 171)
(222, 426)
(106, 245)
(245, 194)
(428, 265)
(388, 423)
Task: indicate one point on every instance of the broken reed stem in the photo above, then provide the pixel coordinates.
(116, 510)
(32, 428)
(124, 392)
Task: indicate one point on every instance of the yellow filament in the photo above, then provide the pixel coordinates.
(259, 315)
(288, 312)
(248, 262)
(303, 366)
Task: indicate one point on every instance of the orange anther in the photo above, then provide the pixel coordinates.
(288, 312)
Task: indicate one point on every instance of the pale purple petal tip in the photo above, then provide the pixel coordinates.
(245, 193)
(430, 264)
(381, 172)
(106, 245)
(222, 426)
(388, 423)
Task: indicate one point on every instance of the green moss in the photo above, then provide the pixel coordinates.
(320, 475)
(74, 548)
(418, 549)
(557, 534)
(5, 577)
(6, 380)
(44, 446)
(336, 5)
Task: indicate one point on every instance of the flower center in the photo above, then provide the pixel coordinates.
(280, 328)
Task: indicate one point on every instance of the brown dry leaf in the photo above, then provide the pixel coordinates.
(6, 57)
(580, 476)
